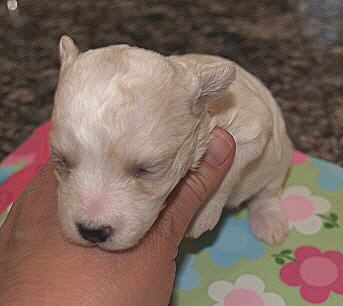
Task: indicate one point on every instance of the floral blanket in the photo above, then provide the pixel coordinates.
(228, 266)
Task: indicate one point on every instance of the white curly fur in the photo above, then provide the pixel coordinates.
(118, 109)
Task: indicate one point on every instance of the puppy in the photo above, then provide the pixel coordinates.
(129, 123)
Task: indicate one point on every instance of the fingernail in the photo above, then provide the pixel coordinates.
(219, 151)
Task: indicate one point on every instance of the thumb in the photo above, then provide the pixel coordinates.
(197, 186)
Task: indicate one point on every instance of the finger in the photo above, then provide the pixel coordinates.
(197, 186)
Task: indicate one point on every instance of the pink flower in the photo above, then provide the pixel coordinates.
(315, 272)
(248, 290)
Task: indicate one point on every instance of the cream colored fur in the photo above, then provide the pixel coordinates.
(129, 123)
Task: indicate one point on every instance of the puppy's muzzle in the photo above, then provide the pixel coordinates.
(95, 235)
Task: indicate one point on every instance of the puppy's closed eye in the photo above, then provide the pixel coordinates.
(60, 162)
(153, 169)
(140, 172)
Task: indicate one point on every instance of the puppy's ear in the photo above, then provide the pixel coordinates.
(214, 79)
(67, 50)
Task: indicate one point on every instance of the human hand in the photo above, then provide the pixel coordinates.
(38, 266)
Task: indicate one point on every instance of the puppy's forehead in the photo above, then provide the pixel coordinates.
(121, 91)
(119, 75)
(104, 64)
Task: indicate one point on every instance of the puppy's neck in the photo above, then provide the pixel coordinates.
(202, 134)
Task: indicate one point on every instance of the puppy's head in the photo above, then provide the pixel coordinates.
(127, 125)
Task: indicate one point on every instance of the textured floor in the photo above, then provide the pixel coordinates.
(294, 47)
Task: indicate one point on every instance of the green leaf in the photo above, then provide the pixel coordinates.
(286, 252)
(328, 225)
(333, 217)
(279, 261)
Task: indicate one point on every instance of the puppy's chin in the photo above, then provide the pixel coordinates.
(111, 245)
(116, 247)
(117, 242)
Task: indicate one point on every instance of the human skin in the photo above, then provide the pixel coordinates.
(38, 266)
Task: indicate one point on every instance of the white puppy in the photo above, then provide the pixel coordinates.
(129, 123)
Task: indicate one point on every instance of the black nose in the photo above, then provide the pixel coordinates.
(95, 234)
